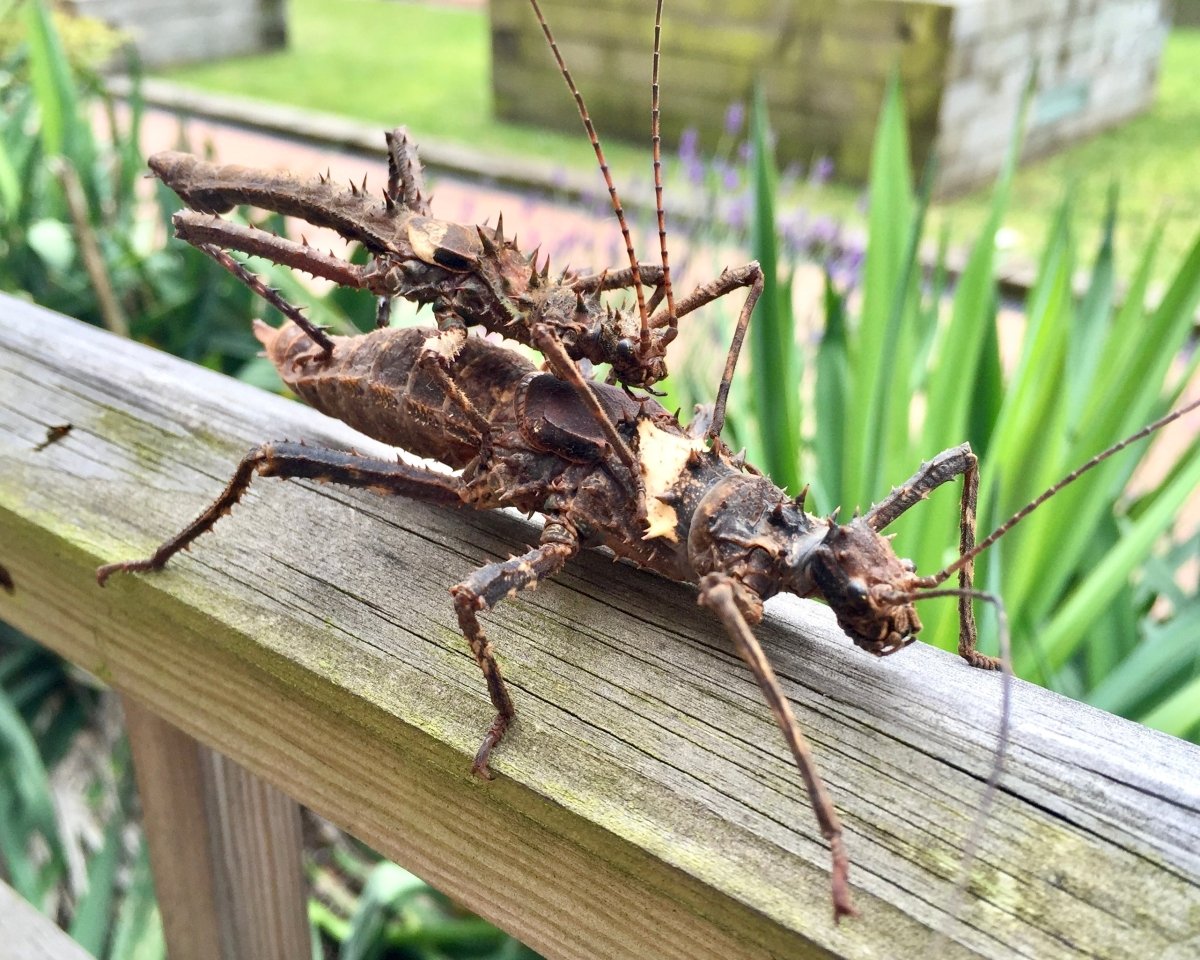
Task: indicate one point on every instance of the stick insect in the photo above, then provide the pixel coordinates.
(471, 275)
(676, 501)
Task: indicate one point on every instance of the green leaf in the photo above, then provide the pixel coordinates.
(54, 242)
(1063, 634)
(92, 921)
(386, 890)
(772, 333)
(891, 251)
(138, 932)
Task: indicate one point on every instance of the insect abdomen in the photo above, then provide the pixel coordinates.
(370, 383)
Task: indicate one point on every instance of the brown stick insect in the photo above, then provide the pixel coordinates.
(679, 504)
(471, 275)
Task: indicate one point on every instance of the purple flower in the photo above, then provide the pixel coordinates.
(689, 145)
(694, 168)
(821, 172)
(738, 212)
(729, 177)
(735, 116)
(744, 151)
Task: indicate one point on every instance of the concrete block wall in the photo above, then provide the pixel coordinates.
(1096, 65)
(825, 63)
(180, 31)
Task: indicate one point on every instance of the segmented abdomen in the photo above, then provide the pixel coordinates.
(369, 382)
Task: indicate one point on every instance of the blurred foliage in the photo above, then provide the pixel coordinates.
(88, 44)
(82, 231)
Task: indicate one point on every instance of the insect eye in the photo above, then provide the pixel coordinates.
(857, 589)
(625, 350)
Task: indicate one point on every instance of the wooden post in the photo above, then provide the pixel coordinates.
(225, 848)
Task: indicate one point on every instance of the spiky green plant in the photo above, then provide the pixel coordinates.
(906, 368)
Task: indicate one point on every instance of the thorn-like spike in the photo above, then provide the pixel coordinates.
(833, 517)
(546, 268)
(489, 244)
(363, 188)
(500, 229)
(801, 498)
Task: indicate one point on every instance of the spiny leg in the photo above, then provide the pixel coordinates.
(486, 587)
(286, 460)
(435, 358)
(731, 602)
(406, 180)
(730, 280)
(955, 462)
(255, 283)
(563, 367)
(199, 229)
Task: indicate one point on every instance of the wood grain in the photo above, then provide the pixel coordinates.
(225, 848)
(646, 805)
(26, 934)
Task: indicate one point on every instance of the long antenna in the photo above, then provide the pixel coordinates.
(612, 189)
(656, 141)
(942, 576)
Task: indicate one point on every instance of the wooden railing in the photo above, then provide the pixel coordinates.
(307, 651)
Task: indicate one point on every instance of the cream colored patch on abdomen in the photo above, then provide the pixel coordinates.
(663, 456)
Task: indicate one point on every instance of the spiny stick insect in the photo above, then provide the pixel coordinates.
(687, 508)
(472, 275)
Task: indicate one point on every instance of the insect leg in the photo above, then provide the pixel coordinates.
(486, 587)
(564, 368)
(270, 294)
(750, 275)
(200, 229)
(285, 460)
(957, 461)
(734, 605)
(406, 181)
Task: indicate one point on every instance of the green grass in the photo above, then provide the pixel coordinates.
(429, 67)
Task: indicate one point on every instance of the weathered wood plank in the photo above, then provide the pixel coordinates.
(29, 935)
(225, 847)
(645, 804)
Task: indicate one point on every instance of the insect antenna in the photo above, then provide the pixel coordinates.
(656, 142)
(608, 180)
(942, 575)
